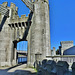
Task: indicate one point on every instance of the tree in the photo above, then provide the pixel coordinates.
(57, 52)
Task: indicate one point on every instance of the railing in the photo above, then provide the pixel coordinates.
(22, 51)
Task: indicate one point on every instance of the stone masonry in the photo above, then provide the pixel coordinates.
(39, 31)
(12, 30)
(65, 45)
(35, 29)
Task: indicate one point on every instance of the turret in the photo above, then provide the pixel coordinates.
(5, 4)
(13, 5)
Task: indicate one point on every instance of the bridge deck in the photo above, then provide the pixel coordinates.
(18, 51)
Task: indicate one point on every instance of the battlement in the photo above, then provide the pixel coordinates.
(13, 5)
(65, 42)
(23, 16)
(19, 19)
(14, 15)
(5, 4)
(65, 45)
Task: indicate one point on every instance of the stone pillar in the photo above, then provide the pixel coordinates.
(73, 69)
(47, 26)
(28, 57)
(15, 56)
(40, 31)
(38, 57)
(23, 28)
(37, 60)
(20, 32)
(61, 51)
(16, 33)
(11, 46)
(54, 51)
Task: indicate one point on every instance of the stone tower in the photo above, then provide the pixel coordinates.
(39, 40)
(35, 29)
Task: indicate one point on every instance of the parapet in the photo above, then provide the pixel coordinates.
(13, 5)
(16, 8)
(64, 42)
(19, 19)
(14, 17)
(5, 4)
(23, 16)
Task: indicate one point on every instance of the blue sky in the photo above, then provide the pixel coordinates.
(22, 45)
(62, 19)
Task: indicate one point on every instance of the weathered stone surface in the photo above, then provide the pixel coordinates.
(65, 45)
(40, 31)
(8, 34)
(15, 29)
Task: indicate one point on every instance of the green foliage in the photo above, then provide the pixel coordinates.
(35, 69)
(0, 14)
(57, 52)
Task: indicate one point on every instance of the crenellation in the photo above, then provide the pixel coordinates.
(34, 28)
(65, 45)
(23, 16)
(8, 30)
(16, 8)
(5, 4)
(12, 5)
(19, 19)
(64, 42)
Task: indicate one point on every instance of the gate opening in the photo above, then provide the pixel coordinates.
(22, 51)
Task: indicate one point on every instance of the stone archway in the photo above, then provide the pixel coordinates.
(22, 51)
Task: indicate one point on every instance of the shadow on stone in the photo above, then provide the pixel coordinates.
(17, 72)
(2, 23)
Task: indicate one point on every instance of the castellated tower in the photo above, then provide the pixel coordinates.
(8, 35)
(35, 29)
(40, 32)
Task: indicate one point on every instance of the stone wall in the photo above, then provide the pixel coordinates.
(8, 35)
(65, 45)
(40, 31)
(68, 58)
(17, 29)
